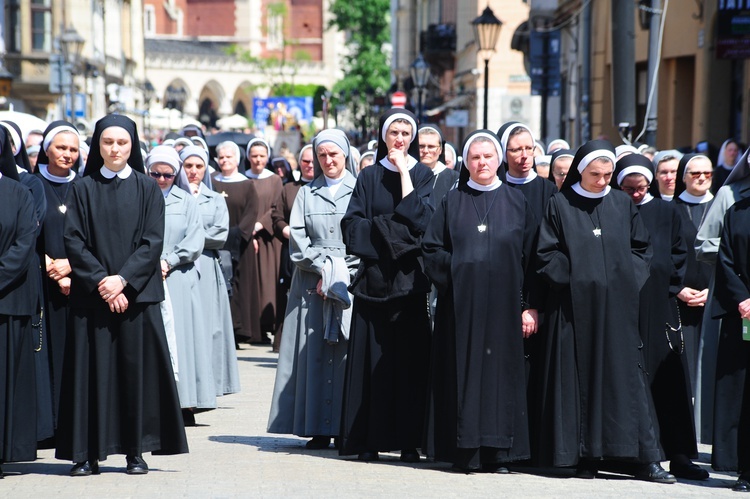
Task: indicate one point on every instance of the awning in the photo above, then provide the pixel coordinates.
(459, 101)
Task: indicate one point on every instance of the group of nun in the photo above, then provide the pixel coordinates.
(498, 319)
(114, 306)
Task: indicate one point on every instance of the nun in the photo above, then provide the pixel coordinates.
(731, 302)
(560, 165)
(594, 252)
(692, 199)
(183, 245)
(517, 143)
(660, 319)
(269, 187)
(214, 301)
(477, 417)
(18, 429)
(432, 155)
(59, 162)
(307, 395)
(119, 394)
(389, 343)
(281, 213)
(728, 154)
(241, 247)
(665, 163)
(736, 188)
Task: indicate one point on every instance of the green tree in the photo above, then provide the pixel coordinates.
(367, 23)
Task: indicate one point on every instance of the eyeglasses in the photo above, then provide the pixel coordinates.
(306, 161)
(632, 190)
(518, 150)
(166, 176)
(698, 174)
(428, 147)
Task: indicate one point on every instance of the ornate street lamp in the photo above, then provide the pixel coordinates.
(71, 44)
(486, 32)
(6, 81)
(420, 73)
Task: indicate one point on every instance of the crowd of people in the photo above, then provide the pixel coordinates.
(513, 305)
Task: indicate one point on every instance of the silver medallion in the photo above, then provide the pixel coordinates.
(62, 208)
(597, 232)
(481, 227)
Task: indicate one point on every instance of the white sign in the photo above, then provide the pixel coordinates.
(457, 118)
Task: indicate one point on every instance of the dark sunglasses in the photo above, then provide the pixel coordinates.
(698, 174)
(167, 176)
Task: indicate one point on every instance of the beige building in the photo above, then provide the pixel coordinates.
(109, 73)
(454, 98)
(699, 96)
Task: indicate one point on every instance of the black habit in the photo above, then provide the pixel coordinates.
(18, 295)
(731, 438)
(663, 343)
(118, 394)
(477, 393)
(389, 346)
(595, 400)
(537, 193)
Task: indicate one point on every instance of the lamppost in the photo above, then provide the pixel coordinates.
(420, 72)
(71, 44)
(486, 32)
(6, 82)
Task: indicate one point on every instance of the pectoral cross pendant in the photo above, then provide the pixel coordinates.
(62, 209)
(481, 227)
(597, 232)
(225, 194)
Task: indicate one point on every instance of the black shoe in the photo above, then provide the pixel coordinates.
(653, 472)
(586, 470)
(466, 470)
(188, 417)
(318, 443)
(368, 456)
(410, 456)
(85, 468)
(688, 471)
(742, 484)
(136, 465)
(495, 468)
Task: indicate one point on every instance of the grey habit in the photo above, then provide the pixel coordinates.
(183, 244)
(308, 393)
(213, 289)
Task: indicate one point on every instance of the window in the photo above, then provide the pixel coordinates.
(275, 38)
(41, 25)
(149, 20)
(13, 39)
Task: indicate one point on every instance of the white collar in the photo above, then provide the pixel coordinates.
(438, 168)
(165, 192)
(196, 191)
(334, 181)
(485, 188)
(235, 177)
(520, 181)
(44, 171)
(667, 197)
(21, 170)
(410, 162)
(689, 198)
(109, 174)
(259, 176)
(591, 195)
(648, 197)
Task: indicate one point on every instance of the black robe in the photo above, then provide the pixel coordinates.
(595, 400)
(663, 348)
(18, 430)
(442, 183)
(697, 276)
(477, 392)
(731, 437)
(389, 345)
(537, 192)
(56, 306)
(118, 394)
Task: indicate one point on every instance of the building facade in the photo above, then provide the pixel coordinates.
(441, 31)
(209, 58)
(107, 74)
